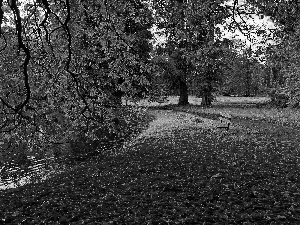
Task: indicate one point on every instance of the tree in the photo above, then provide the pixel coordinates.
(174, 70)
(284, 13)
(65, 65)
(243, 74)
(189, 27)
(282, 60)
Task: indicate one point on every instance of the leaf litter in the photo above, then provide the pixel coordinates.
(181, 170)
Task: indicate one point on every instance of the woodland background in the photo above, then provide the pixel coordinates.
(67, 66)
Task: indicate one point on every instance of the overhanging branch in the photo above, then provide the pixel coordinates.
(19, 30)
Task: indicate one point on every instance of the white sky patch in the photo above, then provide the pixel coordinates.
(257, 24)
(259, 34)
(159, 37)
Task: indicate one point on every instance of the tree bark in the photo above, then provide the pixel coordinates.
(205, 100)
(207, 96)
(183, 93)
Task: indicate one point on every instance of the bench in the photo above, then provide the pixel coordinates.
(225, 120)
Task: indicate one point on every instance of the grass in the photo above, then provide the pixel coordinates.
(236, 106)
(248, 107)
(281, 116)
(248, 175)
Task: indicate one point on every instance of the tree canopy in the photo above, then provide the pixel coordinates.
(190, 28)
(66, 64)
(283, 57)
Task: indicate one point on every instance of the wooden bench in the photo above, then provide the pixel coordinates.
(225, 120)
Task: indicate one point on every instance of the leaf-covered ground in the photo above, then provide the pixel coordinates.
(191, 173)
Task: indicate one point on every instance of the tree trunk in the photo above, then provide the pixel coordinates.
(207, 94)
(183, 94)
(205, 100)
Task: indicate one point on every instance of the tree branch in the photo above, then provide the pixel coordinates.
(68, 64)
(19, 30)
(234, 10)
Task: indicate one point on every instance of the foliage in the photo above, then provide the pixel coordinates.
(279, 98)
(211, 68)
(243, 75)
(284, 13)
(284, 64)
(64, 66)
(189, 28)
(128, 123)
(283, 56)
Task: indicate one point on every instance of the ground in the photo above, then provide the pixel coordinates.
(181, 170)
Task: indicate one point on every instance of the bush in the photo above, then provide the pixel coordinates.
(227, 92)
(295, 98)
(129, 122)
(279, 98)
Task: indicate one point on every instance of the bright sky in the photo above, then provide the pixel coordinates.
(256, 22)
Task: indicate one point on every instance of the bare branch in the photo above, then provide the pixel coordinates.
(68, 64)
(234, 10)
(19, 30)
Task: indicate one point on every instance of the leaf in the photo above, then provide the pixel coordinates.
(216, 175)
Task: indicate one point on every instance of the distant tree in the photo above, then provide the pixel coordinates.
(174, 69)
(190, 30)
(284, 13)
(283, 57)
(242, 78)
(209, 72)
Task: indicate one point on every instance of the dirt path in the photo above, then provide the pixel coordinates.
(181, 170)
(167, 122)
(249, 174)
(260, 133)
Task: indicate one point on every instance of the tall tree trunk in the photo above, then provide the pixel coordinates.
(205, 100)
(183, 93)
(207, 95)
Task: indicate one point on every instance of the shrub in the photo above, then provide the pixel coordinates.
(227, 91)
(295, 98)
(279, 98)
(128, 122)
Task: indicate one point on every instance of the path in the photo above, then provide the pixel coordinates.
(247, 175)
(174, 173)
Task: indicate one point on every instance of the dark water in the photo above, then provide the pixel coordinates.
(14, 176)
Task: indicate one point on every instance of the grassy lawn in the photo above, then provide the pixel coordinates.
(236, 106)
(288, 117)
(247, 175)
